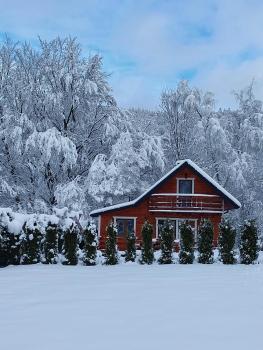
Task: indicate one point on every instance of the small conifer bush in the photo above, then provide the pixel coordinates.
(14, 249)
(30, 244)
(60, 234)
(186, 254)
(131, 248)
(70, 246)
(90, 245)
(50, 245)
(111, 251)
(167, 238)
(4, 246)
(147, 255)
(226, 242)
(249, 243)
(205, 242)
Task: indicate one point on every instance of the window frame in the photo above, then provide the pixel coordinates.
(177, 220)
(188, 179)
(134, 218)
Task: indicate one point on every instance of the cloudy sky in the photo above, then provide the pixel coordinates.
(150, 45)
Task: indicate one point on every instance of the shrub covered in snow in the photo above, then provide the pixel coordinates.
(30, 244)
(226, 242)
(70, 246)
(249, 243)
(90, 244)
(14, 249)
(51, 244)
(166, 244)
(205, 242)
(147, 256)
(130, 254)
(4, 246)
(186, 255)
(111, 251)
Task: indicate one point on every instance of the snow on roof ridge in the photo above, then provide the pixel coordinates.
(117, 206)
(179, 163)
(213, 182)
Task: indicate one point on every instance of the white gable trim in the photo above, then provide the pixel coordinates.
(178, 165)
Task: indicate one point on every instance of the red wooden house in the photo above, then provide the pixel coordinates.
(184, 193)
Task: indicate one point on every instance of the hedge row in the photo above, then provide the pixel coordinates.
(70, 245)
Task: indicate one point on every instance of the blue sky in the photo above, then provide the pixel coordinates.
(149, 45)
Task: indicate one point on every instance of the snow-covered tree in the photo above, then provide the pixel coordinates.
(167, 238)
(90, 244)
(70, 245)
(147, 255)
(54, 106)
(186, 254)
(50, 245)
(14, 248)
(205, 242)
(111, 251)
(182, 108)
(4, 245)
(30, 243)
(130, 254)
(249, 243)
(226, 242)
(122, 174)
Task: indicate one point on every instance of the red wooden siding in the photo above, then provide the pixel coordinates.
(142, 210)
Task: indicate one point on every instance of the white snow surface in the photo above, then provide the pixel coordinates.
(179, 163)
(130, 306)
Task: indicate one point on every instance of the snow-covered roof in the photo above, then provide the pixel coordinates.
(178, 165)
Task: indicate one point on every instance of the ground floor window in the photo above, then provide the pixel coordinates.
(175, 223)
(125, 226)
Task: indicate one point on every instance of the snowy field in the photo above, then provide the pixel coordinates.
(131, 307)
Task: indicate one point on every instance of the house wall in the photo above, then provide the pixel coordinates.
(141, 212)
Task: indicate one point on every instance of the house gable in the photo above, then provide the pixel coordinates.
(203, 184)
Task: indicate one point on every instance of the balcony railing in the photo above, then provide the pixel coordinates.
(185, 202)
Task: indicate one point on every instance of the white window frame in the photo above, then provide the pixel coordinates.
(186, 219)
(126, 217)
(187, 178)
(177, 225)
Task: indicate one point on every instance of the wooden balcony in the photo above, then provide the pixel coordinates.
(178, 202)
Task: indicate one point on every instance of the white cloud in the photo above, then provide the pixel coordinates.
(220, 39)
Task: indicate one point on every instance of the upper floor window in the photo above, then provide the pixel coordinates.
(185, 186)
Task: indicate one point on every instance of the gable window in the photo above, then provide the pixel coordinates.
(185, 186)
(125, 226)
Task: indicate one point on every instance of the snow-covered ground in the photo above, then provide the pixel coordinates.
(131, 307)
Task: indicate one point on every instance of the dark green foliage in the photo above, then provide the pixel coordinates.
(131, 248)
(9, 242)
(249, 243)
(147, 256)
(51, 244)
(14, 249)
(4, 246)
(70, 246)
(205, 242)
(186, 255)
(90, 245)
(167, 238)
(226, 242)
(111, 245)
(30, 244)
(60, 239)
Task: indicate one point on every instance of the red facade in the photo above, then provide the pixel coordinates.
(167, 200)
